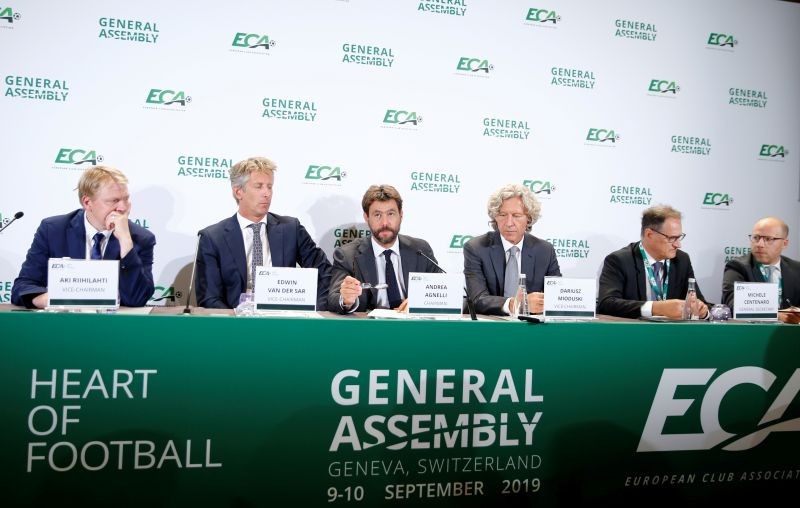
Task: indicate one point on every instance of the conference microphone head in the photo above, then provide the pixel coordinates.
(18, 215)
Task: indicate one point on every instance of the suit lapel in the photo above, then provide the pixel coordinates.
(235, 243)
(365, 259)
(527, 264)
(112, 248)
(275, 240)
(641, 277)
(498, 257)
(76, 237)
(409, 259)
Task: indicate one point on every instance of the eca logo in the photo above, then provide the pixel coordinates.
(474, 65)
(663, 86)
(773, 151)
(401, 117)
(325, 173)
(458, 241)
(77, 156)
(162, 294)
(721, 40)
(8, 14)
(167, 97)
(717, 199)
(602, 135)
(539, 186)
(667, 406)
(252, 41)
(542, 16)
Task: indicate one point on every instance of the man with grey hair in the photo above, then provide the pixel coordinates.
(765, 263)
(650, 277)
(230, 250)
(493, 261)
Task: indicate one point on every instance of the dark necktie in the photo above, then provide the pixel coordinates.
(512, 273)
(257, 259)
(768, 271)
(659, 275)
(97, 246)
(393, 291)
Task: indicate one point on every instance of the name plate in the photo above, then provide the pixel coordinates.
(755, 300)
(435, 293)
(569, 298)
(82, 283)
(284, 288)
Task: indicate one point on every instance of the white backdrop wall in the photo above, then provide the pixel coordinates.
(716, 78)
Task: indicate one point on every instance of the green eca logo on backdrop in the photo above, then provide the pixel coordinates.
(721, 41)
(289, 109)
(158, 98)
(691, 145)
(75, 158)
(424, 181)
(775, 153)
(621, 194)
(363, 54)
(542, 17)
(457, 241)
(474, 67)
(735, 251)
(602, 137)
(164, 294)
(252, 43)
(747, 98)
(506, 128)
(8, 17)
(452, 7)
(674, 397)
(42, 89)
(572, 78)
(543, 189)
(5, 290)
(128, 30)
(452, 395)
(717, 201)
(635, 30)
(320, 174)
(401, 119)
(663, 88)
(570, 247)
(343, 236)
(204, 166)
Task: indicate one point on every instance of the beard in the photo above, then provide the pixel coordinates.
(385, 240)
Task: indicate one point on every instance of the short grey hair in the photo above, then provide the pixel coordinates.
(241, 171)
(514, 190)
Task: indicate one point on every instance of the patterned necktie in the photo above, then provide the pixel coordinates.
(97, 246)
(659, 275)
(512, 273)
(393, 291)
(768, 271)
(257, 259)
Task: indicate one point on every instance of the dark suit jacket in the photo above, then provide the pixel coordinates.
(359, 252)
(222, 261)
(743, 269)
(485, 269)
(622, 282)
(65, 236)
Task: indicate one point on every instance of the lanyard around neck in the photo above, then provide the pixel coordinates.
(660, 294)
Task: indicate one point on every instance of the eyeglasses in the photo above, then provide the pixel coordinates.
(670, 239)
(768, 240)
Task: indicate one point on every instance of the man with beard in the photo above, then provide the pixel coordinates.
(384, 259)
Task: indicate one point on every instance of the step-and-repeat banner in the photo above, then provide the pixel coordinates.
(601, 108)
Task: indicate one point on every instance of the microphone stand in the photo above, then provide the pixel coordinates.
(16, 216)
(191, 279)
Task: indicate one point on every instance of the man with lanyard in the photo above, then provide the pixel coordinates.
(765, 263)
(650, 277)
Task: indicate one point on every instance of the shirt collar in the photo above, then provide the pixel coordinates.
(650, 259)
(245, 223)
(507, 245)
(377, 249)
(91, 230)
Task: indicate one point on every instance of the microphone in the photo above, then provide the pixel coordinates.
(191, 279)
(470, 305)
(17, 215)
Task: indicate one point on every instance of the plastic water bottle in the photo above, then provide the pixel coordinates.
(522, 296)
(691, 299)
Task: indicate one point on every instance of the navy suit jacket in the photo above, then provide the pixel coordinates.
(357, 259)
(744, 269)
(222, 261)
(485, 269)
(65, 236)
(622, 282)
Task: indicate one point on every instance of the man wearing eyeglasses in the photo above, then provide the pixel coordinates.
(650, 277)
(765, 263)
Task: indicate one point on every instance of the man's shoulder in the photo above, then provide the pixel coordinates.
(61, 220)
(413, 241)
(481, 241)
(795, 264)
(274, 219)
(355, 247)
(139, 232)
(219, 227)
(623, 252)
(740, 261)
